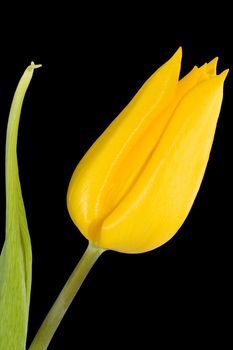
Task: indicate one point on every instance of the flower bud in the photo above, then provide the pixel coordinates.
(135, 186)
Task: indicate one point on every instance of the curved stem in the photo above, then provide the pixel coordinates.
(63, 301)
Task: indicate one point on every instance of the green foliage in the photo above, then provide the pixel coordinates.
(16, 256)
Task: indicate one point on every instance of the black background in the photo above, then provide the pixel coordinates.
(94, 60)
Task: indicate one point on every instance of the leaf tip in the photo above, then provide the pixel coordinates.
(33, 66)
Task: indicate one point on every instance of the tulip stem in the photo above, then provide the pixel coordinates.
(63, 301)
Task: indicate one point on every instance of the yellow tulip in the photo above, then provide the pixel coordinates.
(135, 186)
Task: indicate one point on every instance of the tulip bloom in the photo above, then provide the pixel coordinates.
(135, 186)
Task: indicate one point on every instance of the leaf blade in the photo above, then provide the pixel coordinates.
(16, 256)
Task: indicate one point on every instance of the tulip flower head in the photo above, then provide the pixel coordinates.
(135, 186)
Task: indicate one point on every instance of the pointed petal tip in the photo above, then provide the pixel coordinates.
(215, 60)
(176, 58)
(212, 67)
(179, 49)
(178, 53)
(224, 74)
(220, 78)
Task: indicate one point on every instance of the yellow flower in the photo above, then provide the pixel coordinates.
(135, 186)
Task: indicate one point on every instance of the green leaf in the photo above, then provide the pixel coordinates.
(16, 256)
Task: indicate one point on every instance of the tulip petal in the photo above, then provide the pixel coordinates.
(212, 67)
(97, 185)
(158, 203)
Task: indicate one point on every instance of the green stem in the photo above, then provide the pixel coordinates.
(59, 308)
